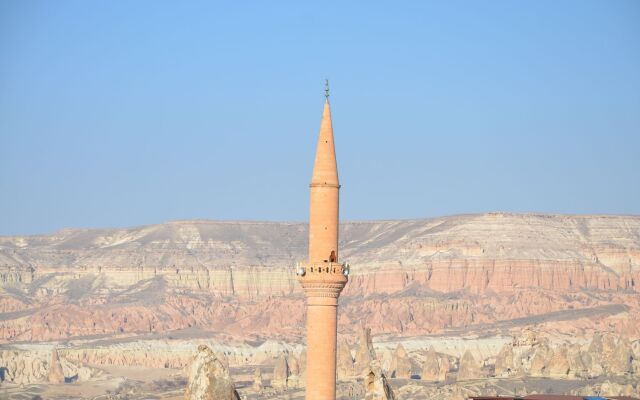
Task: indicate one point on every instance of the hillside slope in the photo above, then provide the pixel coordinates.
(408, 277)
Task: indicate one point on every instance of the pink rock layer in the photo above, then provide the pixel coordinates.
(495, 271)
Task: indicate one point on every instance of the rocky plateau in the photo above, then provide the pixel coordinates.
(470, 304)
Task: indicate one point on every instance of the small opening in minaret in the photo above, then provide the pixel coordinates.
(332, 257)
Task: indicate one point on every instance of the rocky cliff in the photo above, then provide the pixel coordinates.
(471, 272)
(493, 251)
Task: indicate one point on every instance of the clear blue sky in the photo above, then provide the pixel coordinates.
(120, 113)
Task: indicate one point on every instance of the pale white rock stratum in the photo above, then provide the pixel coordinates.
(493, 251)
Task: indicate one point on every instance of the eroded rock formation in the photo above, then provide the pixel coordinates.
(344, 360)
(376, 385)
(613, 353)
(565, 276)
(25, 367)
(365, 352)
(209, 378)
(609, 388)
(504, 366)
(558, 365)
(431, 366)
(469, 368)
(258, 384)
(541, 358)
(401, 364)
(118, 281)
(281, 373)
(55, 375)
(605, 355)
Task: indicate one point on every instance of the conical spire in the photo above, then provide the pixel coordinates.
(325, 169)
(323, 277)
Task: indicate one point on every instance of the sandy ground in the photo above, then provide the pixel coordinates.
(135, 382)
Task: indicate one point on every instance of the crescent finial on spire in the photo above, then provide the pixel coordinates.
(326, 89)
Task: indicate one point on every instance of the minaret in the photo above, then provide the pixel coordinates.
(322, 276)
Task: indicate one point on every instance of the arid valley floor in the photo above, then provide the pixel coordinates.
(491, 303)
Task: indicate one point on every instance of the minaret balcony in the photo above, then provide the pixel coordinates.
(323, 279)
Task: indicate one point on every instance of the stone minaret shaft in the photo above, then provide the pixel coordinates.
(322, 276)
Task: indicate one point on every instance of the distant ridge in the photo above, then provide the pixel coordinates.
(494, 235)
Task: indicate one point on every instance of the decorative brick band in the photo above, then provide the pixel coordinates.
(322, 289)
(331, 185)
